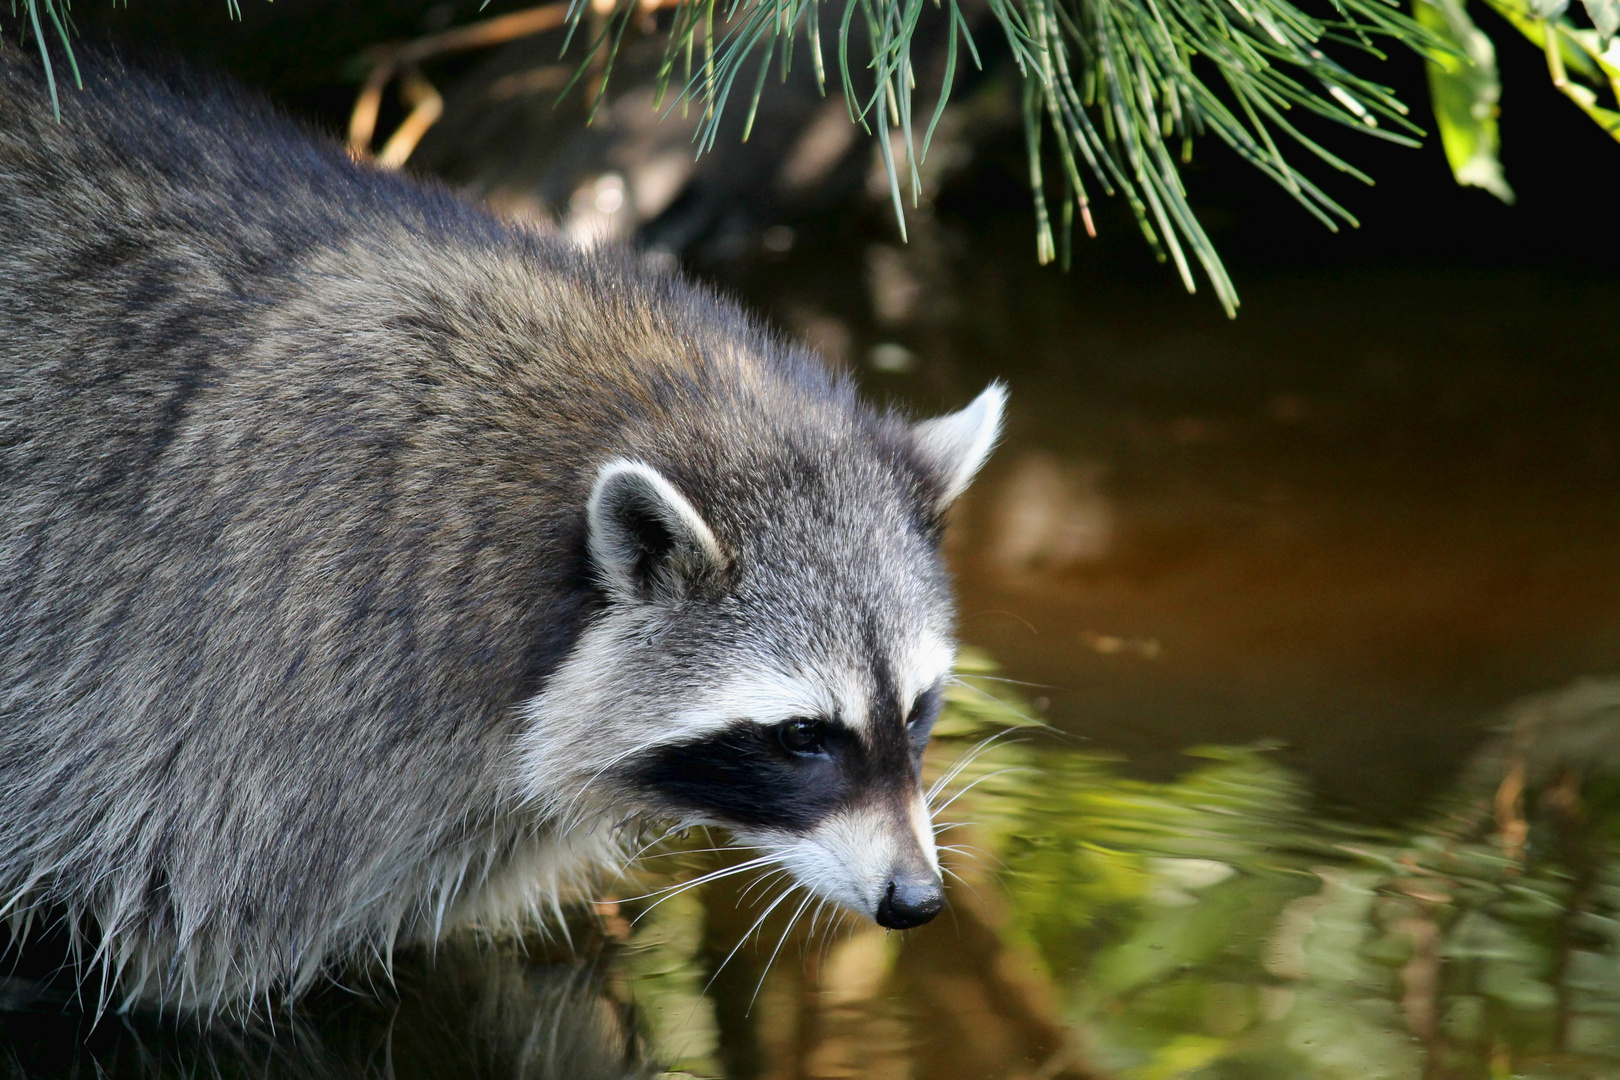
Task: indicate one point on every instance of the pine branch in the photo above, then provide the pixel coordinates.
(1110, 86)
(1115, 90)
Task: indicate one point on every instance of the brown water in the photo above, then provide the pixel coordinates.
(1355, 535)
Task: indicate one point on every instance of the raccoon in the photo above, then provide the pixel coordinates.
(368, 566)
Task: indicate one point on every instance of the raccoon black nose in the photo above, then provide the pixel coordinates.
(910, 901)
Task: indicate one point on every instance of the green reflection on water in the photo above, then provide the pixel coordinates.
(1100, 926)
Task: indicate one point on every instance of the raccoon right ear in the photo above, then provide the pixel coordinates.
(954, 447)
(647, 541)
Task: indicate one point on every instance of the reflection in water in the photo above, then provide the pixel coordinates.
(470, 1011)
(1050, 517)
(1100, 926)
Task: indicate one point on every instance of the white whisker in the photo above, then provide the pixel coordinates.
(779, 943)
(671, 891)
(763, 880)
(839, 915)
(987, 776)
(695, 851)
(565, 818)
(962, 680)
(630, 861)
(744, 939)
(1028, 720)
(964, 882)
(815, 919)
(969, 756)
(977, 854)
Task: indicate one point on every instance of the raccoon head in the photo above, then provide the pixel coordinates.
(772, 662)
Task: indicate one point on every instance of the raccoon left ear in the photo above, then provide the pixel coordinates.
(646, 539)
(954, 447)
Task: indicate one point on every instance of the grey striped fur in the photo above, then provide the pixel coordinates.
(306, 645)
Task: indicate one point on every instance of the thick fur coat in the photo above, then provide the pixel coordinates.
(295, 458)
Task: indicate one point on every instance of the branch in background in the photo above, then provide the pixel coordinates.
(1110, 85)
(426, 107)
(56, 14)
(1111, 81)
(385, 61)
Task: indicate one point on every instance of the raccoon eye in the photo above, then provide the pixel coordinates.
(802, 736)
(924, 712)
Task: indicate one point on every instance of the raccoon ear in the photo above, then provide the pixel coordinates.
(954, 447)
(647, 541)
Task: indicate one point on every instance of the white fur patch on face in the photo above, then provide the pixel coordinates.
(922, 667)
(569, 737)
(768, 696)
(543, 873)
(851, 856)
(771, 696)
(596, 714)
(922, 829)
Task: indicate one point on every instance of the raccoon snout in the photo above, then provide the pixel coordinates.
(910, 900)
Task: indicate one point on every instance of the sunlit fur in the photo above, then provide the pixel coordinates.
(306, 646)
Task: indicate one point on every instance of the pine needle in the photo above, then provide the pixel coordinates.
(1115, 83)
(1147, 73)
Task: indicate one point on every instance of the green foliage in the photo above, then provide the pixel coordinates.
(1464, 90)
(1114, 92)
(1216, 926)
(1577, 59)
(56, 13)
(1464, 87)
(1118, 87)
